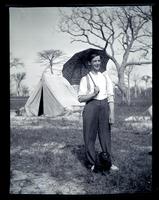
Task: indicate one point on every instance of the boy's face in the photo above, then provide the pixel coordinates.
(95, 63)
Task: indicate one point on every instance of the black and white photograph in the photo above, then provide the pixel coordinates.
(65, 137)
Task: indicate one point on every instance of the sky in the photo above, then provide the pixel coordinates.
(35, 29)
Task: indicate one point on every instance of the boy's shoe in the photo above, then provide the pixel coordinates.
(94, 169)
(114, 168)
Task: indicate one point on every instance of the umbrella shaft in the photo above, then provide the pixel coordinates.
(92, 79)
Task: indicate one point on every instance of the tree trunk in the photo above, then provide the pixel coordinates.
(122, 86)
(128, 93)
(51, 70)
(51, 64)
(135, 91)
(146, 89)
(17, 89)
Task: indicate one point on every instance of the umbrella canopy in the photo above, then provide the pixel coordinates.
(77, 66)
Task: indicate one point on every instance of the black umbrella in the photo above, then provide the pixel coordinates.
(77, 66)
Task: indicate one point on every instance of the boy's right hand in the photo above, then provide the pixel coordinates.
(96, 90)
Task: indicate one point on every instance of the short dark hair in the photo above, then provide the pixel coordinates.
(92, 55)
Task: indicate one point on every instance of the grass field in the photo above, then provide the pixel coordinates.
(47, 156)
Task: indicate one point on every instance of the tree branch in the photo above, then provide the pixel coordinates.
(87, 42)
(139, 49)
(138, 63)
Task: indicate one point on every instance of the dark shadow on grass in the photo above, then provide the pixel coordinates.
(79, 152)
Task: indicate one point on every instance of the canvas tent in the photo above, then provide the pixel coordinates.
(52, 96)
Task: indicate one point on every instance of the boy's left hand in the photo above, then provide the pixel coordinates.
(111, 119)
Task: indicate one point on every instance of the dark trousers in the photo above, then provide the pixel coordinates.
(96, 121)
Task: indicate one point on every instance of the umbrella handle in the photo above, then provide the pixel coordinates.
(92, 79)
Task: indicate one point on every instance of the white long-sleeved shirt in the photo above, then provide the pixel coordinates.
(101, 80)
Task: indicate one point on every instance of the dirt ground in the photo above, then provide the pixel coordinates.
(76, 180)
(30, 183)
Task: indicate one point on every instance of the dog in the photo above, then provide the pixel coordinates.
(103, 162)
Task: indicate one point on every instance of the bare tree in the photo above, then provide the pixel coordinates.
(16, 62)
(14, 76)
(48, 57)
(128, 72)
(119, 31)
(146, 79)
(136, 79)
(18, 78)
(140, 11)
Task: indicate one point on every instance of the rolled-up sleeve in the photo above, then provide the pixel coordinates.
(110, 88)
(82, 87)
